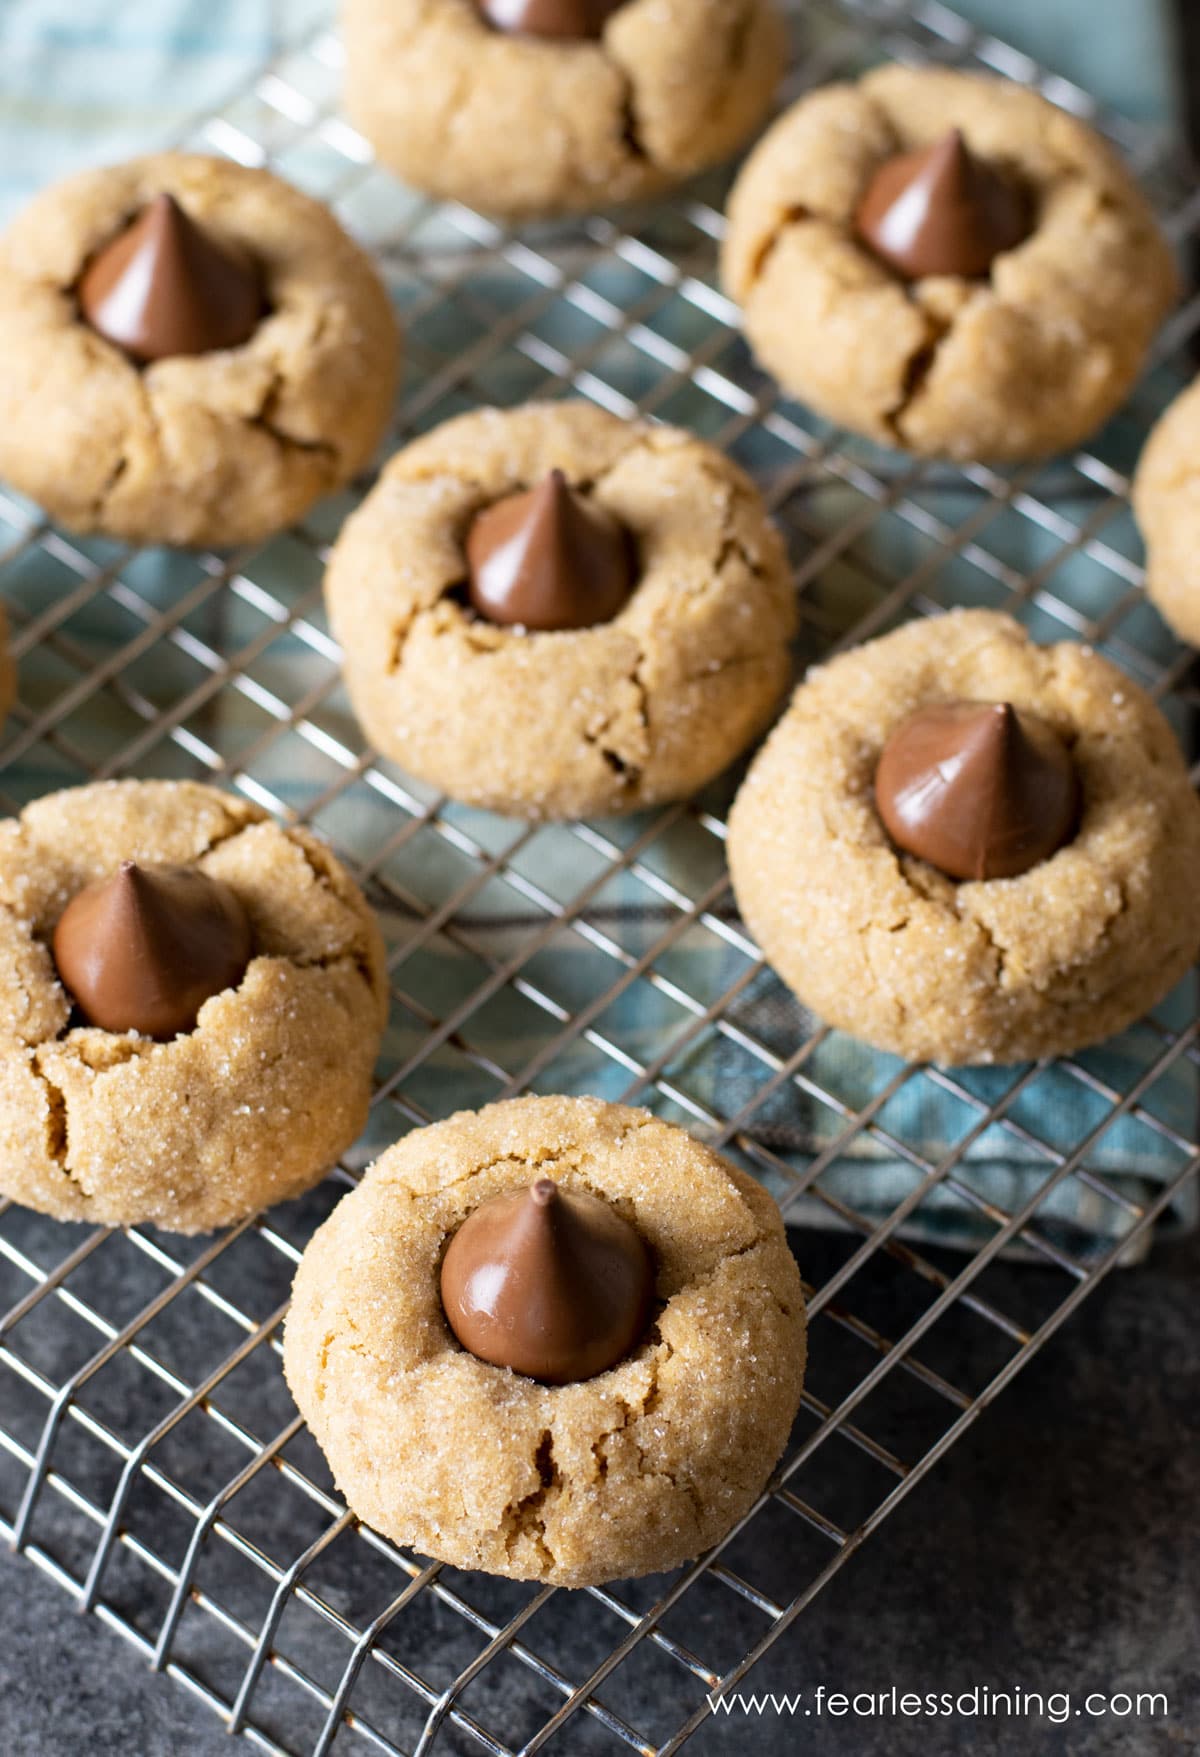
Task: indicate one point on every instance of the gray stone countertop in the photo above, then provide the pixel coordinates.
(1055, 1548)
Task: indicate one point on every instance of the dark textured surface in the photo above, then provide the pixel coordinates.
(1055, 1549)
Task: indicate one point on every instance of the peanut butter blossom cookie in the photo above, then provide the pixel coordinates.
(548, 106)
(191, 1001)
(946, 263)
(555, 613)
(1166, 499)
(555, 1338)
(962, 847)
(194, 352)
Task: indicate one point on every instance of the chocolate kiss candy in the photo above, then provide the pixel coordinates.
(549, 18)
(942, 211)
(144, 949)
(977, 789)
(548, 559)
(167, 286)
(550, 1282)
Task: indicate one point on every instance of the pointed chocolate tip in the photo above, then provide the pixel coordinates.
(129, 882)
(144, 949)
(552, 500)
(164, 211)
(941, 210)
(559, 1299)
(994, 726)
(167, 286)
(952, 149)
(978, 790)
(548, 559)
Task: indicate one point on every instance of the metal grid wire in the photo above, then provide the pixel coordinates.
(150, 1459)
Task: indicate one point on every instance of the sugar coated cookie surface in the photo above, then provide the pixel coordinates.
(251, 1105)
(521, 124)
(1020, 361)
(888, 948)
(645, 706)
(1166, 499)
(218, 447)
(633, 1470)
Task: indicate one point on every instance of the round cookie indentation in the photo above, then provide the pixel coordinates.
(549, 1281)
(1020, 364)
(143, 948)
(636, 1470)
(215, 448)
(882, 945)
(645, 707)
(979, 790)
(566, 20)
(526, 125)
(165, 286)
(941, 210)
(548, 559)
(271, 1084)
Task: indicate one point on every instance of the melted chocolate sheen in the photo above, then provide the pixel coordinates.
(144, 949)
(978, 789)
(550, 1282)
(548, 559)
(166, 286)
(549, 18)
(942, 211)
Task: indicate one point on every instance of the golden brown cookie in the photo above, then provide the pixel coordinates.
(523, 125)
(1166, 499)
(1018, 365)
(251, 1106)
(1002, 970)
(646, 707)
(629, 1472)
(219, 448)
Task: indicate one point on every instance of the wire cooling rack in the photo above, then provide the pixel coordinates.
(150, 1459)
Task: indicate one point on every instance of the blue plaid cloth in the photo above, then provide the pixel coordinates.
(83, 82)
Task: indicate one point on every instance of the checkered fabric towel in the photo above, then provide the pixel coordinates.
(83, 82)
